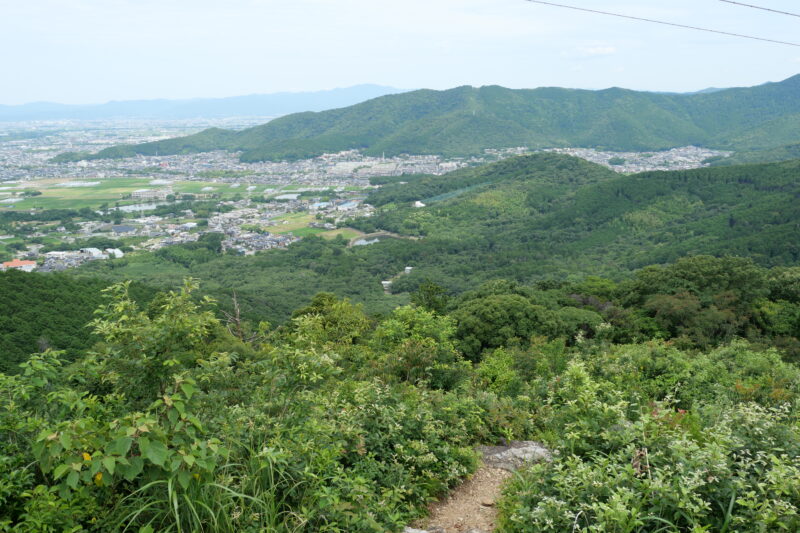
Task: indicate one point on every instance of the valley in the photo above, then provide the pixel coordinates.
(363, 319)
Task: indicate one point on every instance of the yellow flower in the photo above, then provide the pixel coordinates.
(87, 457)
(98, 478)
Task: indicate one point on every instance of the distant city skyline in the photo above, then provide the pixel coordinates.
(93, 51)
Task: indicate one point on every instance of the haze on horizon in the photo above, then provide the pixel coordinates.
(93, 51)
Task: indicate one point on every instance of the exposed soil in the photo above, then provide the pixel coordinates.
(470, 505)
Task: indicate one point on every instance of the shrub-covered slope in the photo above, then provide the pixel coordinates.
(336, 422)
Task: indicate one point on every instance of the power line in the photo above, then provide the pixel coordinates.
(761, 8)
(587, 10)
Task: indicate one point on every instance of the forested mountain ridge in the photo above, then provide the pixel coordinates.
(617, 222)
(467, 120)
(764, 155)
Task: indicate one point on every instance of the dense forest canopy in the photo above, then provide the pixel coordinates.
(40, 312)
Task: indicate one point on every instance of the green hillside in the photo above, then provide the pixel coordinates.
(768, 155)
(547, 217)
(39, 312)
(529, 218)
(466, 120)
(665, 399)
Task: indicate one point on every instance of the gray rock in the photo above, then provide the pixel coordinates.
(514, 456)
(412, 530)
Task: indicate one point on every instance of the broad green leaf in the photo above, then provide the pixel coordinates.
(60, 470)
(65, 440)
(131, 472)
(156, 452)
(184, 478)
(121, 446)
(109, 463)
(188, 389)
(72, 479)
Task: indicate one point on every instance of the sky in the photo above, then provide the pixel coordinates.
(93, 51)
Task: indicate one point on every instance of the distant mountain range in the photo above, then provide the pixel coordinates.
(467, 120)
(262, 105)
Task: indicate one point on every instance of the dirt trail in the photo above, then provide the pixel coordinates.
(471, 505)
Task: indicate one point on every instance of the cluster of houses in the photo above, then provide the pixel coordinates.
(18, 264)
(250, 243)
(154, 227)
(57, 261)
(240, 240)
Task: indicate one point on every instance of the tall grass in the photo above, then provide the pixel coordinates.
(247, 496)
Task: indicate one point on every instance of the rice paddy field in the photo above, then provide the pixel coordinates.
(74, 194)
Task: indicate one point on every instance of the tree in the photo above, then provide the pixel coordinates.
(430, 296)
(417, 346)
(492, 321)
(142, 350)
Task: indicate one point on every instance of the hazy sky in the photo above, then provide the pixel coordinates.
(92, 51)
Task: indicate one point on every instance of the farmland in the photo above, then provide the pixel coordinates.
(69, 194)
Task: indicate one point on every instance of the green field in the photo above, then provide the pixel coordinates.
(55, 195)
(297, 225)
(294, 222)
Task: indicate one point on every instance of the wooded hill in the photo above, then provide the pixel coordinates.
(549, 215)
(764, 155)
(39, 312)
(467, 120)
(532, 218)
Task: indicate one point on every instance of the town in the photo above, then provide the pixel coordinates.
(146, 203)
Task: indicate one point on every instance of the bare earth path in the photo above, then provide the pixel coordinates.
(468, 506)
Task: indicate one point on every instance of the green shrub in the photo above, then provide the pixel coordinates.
(654, 474)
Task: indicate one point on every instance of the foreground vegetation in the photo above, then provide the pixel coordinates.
(663, 416)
